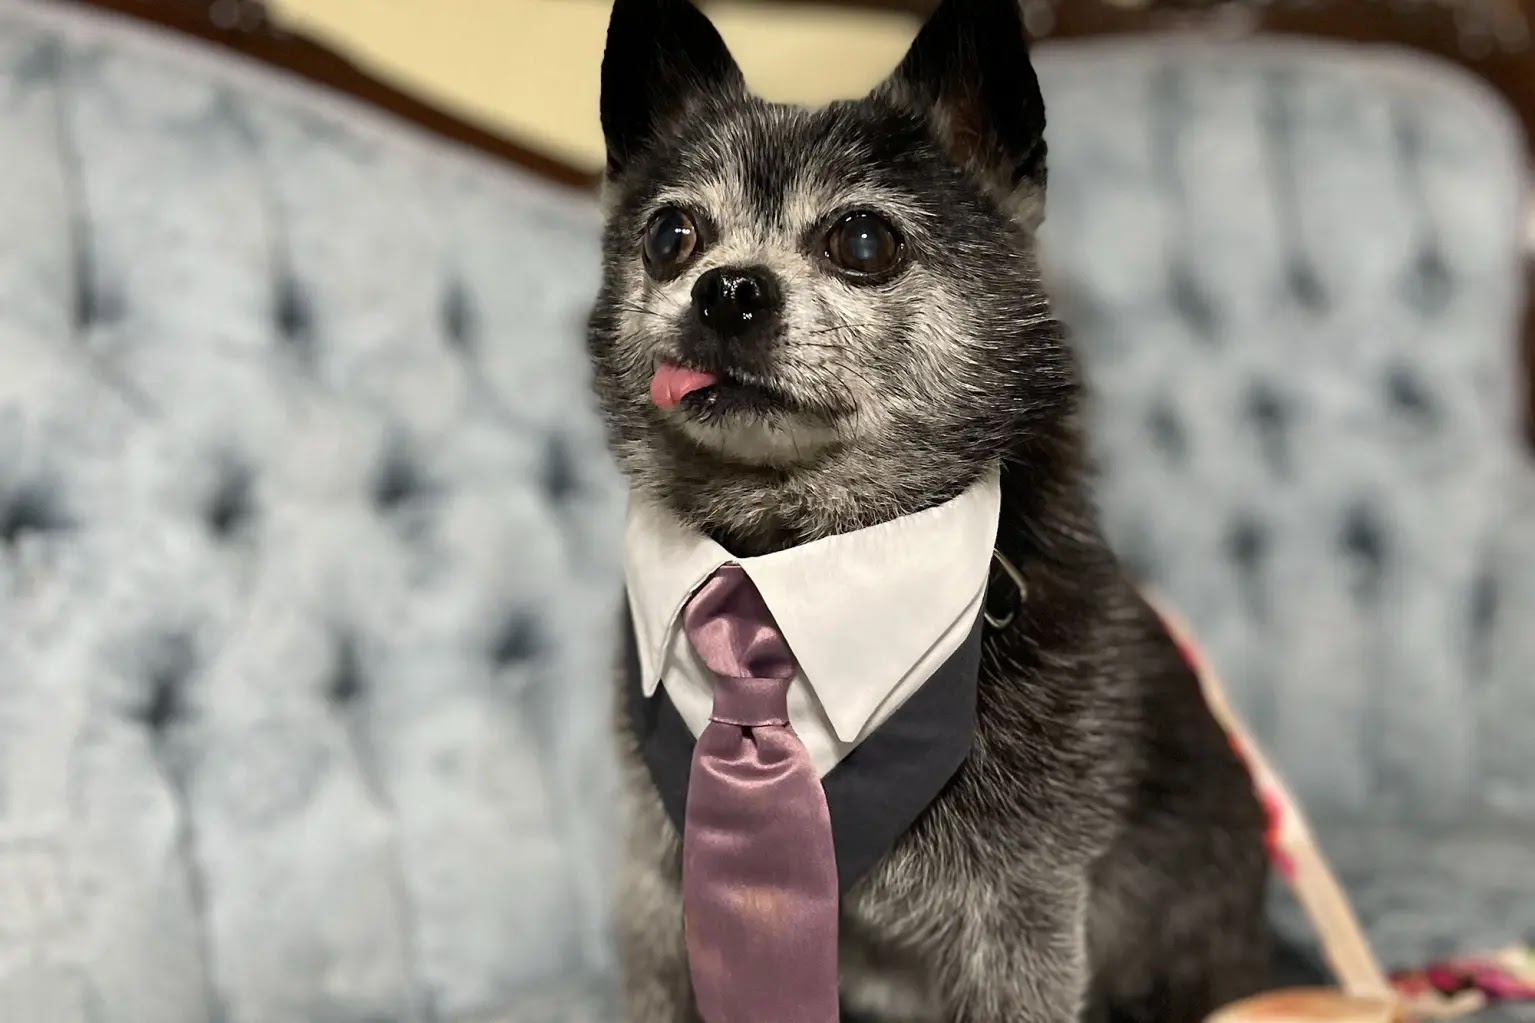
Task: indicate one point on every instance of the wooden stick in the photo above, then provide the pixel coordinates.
(1308, 1005)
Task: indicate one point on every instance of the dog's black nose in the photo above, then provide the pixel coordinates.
(731, 301)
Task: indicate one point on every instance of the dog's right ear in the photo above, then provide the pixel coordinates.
(969, 73)
(660, 54)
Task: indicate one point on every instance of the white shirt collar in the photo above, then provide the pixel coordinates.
(858, 609)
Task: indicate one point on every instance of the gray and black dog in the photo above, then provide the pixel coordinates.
(1100, 853)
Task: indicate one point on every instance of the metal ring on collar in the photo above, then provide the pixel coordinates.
(1018, 581)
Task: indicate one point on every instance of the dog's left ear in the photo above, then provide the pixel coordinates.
(969, 73)
(660, 54)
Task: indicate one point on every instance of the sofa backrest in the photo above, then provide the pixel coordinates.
(307, 555)
(1293, 272)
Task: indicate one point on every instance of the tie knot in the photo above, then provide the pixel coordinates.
(733, 632)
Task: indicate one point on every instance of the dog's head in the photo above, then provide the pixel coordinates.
(814, 319)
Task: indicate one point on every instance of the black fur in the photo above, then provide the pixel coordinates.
(969, 68)
(658, 56)
(1101, 849)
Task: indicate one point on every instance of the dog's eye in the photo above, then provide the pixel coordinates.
(864, 245)
(670, 241)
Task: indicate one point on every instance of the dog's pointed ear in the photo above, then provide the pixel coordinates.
(969, 73)
(660, 54)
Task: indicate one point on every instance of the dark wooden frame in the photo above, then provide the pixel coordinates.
(1492, 39)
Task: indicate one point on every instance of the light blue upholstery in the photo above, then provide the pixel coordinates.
(1293, 271)
(307, 547)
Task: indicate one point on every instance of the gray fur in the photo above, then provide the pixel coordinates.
(1101, 847)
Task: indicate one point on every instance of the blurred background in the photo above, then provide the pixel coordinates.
(308, 541)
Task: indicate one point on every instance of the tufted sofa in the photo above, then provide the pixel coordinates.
(306, 538)
(1294, 273)
(308, 543)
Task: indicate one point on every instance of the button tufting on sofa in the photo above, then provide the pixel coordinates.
(1165, 429)
(560, 477)
(168, 664)
(1410, 397)
(346, 684)
(1270, 414)
(1363, 544)
(459, 319)
(233, 504)
(518, 641)
(1247, 548)
(293, 316)
(399, 480)
(31, 508)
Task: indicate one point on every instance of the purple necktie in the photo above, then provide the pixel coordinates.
(759, 875)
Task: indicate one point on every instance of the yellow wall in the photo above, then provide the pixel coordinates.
(528, 68)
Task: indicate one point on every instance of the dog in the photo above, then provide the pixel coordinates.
(1100, 852)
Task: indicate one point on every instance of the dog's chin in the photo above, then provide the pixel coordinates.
(753, 426)
(761, 443)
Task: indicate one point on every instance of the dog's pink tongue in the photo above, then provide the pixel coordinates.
(672, 383)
